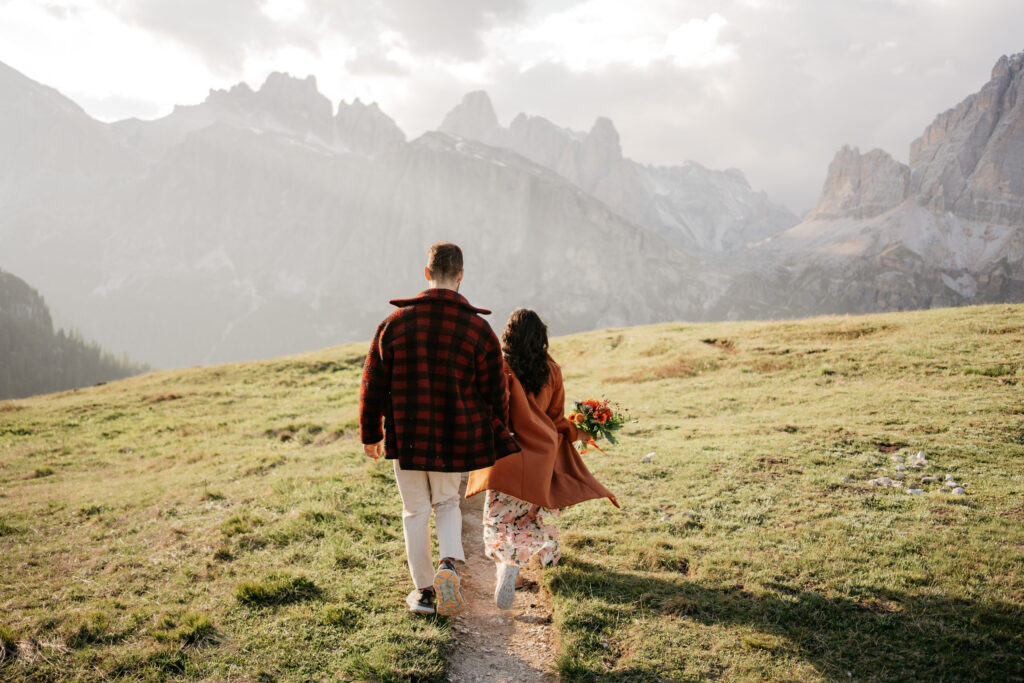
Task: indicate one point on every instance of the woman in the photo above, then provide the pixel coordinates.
(526, 488)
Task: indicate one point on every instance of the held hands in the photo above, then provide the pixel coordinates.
(374, 450)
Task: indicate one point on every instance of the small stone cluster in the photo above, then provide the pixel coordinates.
(914, 462)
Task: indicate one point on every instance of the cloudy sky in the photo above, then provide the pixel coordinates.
(772, 87)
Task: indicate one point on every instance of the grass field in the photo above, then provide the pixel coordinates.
(217, 523)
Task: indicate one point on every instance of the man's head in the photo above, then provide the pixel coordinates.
(444, 266)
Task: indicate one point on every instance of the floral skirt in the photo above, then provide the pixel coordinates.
(515, 531)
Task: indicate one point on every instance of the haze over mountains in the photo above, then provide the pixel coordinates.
(264, 222)
(35, 359)
(690, 206)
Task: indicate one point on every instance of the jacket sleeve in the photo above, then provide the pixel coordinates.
(373, 390)
(556, 409)
(490, 374)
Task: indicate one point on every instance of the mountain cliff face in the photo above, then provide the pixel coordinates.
(365, 129)
(690, 206)
(946, 230)
(970, 160)
(861, 185)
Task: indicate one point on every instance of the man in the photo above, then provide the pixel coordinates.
(434, 376)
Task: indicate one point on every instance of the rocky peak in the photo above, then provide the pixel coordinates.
(283, 101)
(474, 118)
(861, 185)
(365, 129)
(599, 152)
(541, 141)
(603, 135)
(297, 102)
(283, 85)
(970, 160)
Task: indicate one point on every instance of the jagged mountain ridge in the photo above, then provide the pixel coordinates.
(261, 222)
(255, 224)
(970, 160)
(283, 105)
(945, 230)
(689, 205)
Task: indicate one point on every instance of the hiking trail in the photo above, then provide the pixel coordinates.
(493, 644)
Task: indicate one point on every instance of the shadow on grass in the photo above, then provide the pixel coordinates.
(883, 636)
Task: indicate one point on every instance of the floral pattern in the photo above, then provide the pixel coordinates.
(515, 531)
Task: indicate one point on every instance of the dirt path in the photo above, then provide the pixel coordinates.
(493, 644)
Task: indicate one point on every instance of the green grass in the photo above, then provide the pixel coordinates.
(186, 629)
(276, 590)
(741, 553)
(216, 523)
(8, 644)
(177, 535)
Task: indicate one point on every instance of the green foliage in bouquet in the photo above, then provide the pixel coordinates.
(598, 418)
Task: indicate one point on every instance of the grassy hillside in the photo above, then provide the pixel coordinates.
(222, 522)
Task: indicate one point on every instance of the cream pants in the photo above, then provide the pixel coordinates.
(422, 492)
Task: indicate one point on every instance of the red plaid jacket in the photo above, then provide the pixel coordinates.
(434, 376)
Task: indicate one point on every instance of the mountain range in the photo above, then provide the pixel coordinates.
(268, 221)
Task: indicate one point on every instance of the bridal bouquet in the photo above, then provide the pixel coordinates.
(598, 418)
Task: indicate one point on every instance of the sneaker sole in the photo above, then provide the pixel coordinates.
(505, 593)
(421, 610)
(447, 593)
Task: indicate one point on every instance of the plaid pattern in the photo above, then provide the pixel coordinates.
(434, 376)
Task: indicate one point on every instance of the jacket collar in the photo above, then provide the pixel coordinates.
(439, 295)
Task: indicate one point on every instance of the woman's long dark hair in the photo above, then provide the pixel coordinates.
(525, 346)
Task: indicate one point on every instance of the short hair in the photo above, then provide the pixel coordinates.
(444, 261)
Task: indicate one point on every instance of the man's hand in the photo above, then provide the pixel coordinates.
(374, 450)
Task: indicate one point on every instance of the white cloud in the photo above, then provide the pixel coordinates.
(90, 55)
(696, 44)
(284, 11)
(597, 33)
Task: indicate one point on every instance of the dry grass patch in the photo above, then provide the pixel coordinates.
(161, 398)
(726, 345)
(857, 331)
(39, 473)
(682, 366)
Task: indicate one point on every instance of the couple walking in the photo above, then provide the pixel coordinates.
(441, 396)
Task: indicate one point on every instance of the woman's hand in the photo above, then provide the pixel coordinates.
(583, 435)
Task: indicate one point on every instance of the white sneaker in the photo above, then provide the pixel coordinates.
(421, 602)
(505, 585)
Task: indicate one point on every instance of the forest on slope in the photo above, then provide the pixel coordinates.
(34, 359)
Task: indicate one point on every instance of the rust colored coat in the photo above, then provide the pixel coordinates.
(548, 471)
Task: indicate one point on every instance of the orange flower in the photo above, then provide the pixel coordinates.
(601, 419)
(578, 418)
